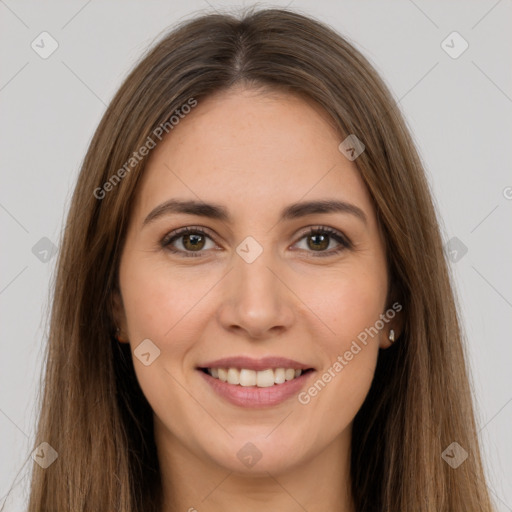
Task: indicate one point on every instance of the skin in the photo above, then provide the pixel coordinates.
(254, 153)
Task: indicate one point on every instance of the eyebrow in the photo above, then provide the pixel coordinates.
(219, 212)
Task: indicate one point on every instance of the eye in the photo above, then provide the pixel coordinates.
(320, 239)
(194, 239)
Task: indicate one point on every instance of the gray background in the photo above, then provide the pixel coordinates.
(459, 111)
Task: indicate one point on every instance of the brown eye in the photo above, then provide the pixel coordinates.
(317, 241)
(191, 240)
(320, 238)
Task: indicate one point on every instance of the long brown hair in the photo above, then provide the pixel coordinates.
(93, 412)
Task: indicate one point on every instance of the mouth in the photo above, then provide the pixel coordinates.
(246, 377)
(250, 383)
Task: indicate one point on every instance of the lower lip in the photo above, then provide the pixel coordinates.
(253, 396)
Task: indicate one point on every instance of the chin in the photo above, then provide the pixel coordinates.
(259, 454)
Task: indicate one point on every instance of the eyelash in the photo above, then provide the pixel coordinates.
(318, 230)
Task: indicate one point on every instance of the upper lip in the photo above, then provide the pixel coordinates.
(250, 363)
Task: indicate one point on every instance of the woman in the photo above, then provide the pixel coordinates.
(252, 308)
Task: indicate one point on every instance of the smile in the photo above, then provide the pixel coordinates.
(254, 383)
(261, 379)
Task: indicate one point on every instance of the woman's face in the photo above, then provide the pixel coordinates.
(254, 284)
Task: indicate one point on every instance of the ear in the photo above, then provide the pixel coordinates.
(396, 320)
(119, 316)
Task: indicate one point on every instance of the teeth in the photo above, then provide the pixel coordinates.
(261, 379)
(247, 378)
(233, 376)
(279, 375)
(265, 378)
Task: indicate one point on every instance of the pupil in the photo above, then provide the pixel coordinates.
(323, 241)
(193, 240)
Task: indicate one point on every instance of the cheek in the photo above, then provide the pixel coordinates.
(348, 304)
(340, 387)
(163, 306)
(160, 303)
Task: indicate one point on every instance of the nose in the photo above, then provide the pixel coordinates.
(257, 301)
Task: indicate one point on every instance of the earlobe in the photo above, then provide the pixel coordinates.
(117, 336)
(393, 330)
(390, 337)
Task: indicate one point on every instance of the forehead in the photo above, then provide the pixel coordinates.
(251, 150)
